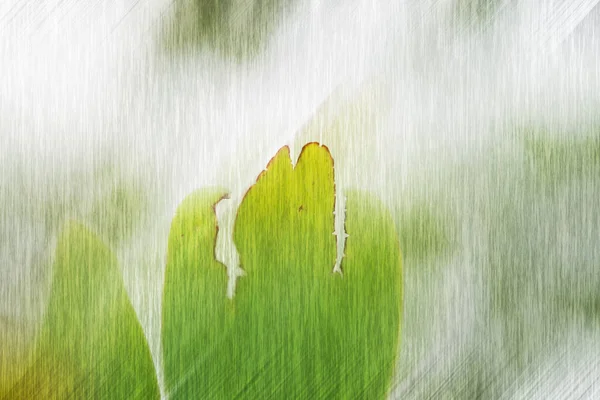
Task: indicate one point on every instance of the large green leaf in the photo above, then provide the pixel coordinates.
(295, 329)
(91, 344)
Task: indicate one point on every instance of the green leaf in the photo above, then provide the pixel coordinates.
(91, 344)
(295, 329)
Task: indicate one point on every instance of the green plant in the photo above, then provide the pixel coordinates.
(295, 329)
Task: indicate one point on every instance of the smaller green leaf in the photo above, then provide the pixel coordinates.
(91, 344)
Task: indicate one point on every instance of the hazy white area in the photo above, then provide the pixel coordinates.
(85, 85)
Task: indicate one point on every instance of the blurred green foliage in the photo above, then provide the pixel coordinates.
(237, 30)
(475, 14)
(423, 233)
(118, 213)
(558, 160)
